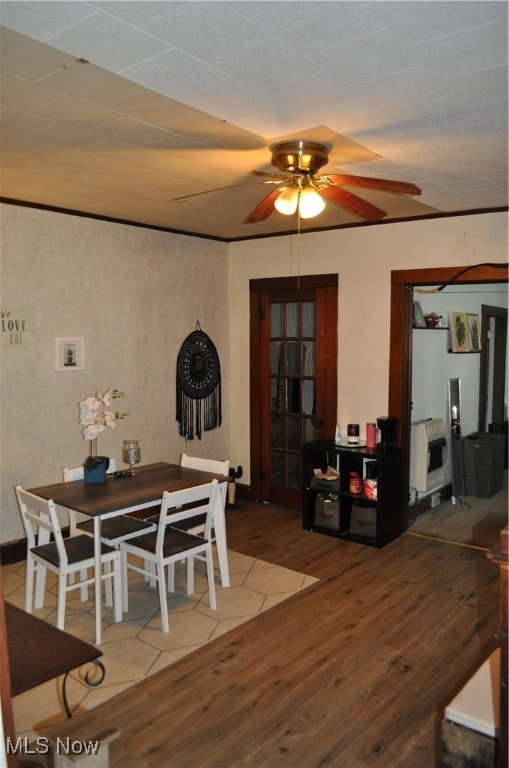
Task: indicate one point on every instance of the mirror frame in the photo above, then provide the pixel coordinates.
(401, 332)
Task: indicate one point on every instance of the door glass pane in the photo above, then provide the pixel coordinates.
(276, 320)
(308, 319)
(277, 476)
(293, 363)
(293, 395)
(276, 359)
(293, 470)
(292, 319)
(276, 432)
(293, 439)
(309, 358)
(309, 431)
(308, 396)
(276, 394)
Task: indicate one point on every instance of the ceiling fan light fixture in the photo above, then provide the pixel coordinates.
(310, 203)
(287, 201)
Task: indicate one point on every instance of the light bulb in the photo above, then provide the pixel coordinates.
(287, 201)
(310, 203)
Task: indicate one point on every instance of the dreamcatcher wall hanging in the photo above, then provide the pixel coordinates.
(198, 386)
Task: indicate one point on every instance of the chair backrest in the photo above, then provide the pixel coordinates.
(76, 473)
(205, 465)
(186, 504)
(40, 521)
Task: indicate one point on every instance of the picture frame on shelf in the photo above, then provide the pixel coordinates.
(419, 321)
(459, 332)
(474, 335)
(69, 354)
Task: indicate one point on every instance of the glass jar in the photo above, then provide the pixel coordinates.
(355, 483)
(131, 454)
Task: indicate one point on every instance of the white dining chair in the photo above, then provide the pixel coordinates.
(114, 530)
(63, 556)
(217, 467)
(169, 544)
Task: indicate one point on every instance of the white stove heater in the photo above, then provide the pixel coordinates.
(429, 454)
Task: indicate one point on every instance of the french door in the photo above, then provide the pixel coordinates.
(293, 379)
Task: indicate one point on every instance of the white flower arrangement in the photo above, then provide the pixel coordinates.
(95, 417)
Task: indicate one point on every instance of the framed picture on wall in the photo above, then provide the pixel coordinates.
(69, 355)
(459, 332)
(419, 321)
(474, 336)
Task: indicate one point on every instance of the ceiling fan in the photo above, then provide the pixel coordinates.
(301, 190)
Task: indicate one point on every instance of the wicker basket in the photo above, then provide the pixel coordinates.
(483, 464)
(327, 512)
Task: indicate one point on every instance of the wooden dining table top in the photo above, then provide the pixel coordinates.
(126, 492)
(38, 652)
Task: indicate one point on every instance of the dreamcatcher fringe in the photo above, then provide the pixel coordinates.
(195, 416)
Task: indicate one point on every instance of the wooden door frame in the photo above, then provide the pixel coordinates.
(400, 359)
(256, 365)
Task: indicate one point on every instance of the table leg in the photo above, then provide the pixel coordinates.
(220, 531)
(97, 575)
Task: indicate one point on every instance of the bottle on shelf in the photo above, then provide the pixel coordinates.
(337, 436)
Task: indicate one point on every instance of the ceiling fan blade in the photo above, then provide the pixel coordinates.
(356, 205)
(384, 185)
(263, 209)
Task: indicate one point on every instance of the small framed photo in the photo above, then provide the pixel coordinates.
(419, 321)
(69, 355)
(474, 336)
(459, 332)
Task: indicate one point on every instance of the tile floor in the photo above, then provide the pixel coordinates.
(137, 647)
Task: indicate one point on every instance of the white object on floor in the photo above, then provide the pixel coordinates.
(477, 705)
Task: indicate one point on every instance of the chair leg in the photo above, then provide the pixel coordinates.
(118, 596)
(29, 585)
(108, 569)
(40, 585)
(171, 577)
(210, 577)
(84, 588)
(150, 567)
(124, 580)
(190, 575)
(162, 596)
(62, 594)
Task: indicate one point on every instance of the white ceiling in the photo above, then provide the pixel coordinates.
(115, 108)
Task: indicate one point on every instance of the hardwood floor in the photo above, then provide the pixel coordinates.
(354, 671)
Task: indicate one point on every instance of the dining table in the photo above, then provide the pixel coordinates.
(121, 494)
(39, 652)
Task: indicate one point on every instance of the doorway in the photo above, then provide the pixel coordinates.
(400, 360)
(293, 379)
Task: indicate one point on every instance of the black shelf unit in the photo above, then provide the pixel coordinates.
(375, 523)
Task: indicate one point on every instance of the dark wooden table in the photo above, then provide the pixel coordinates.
(121, 495)
(38, 652)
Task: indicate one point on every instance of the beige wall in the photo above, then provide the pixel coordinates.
(363, 258)
(133, 294)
